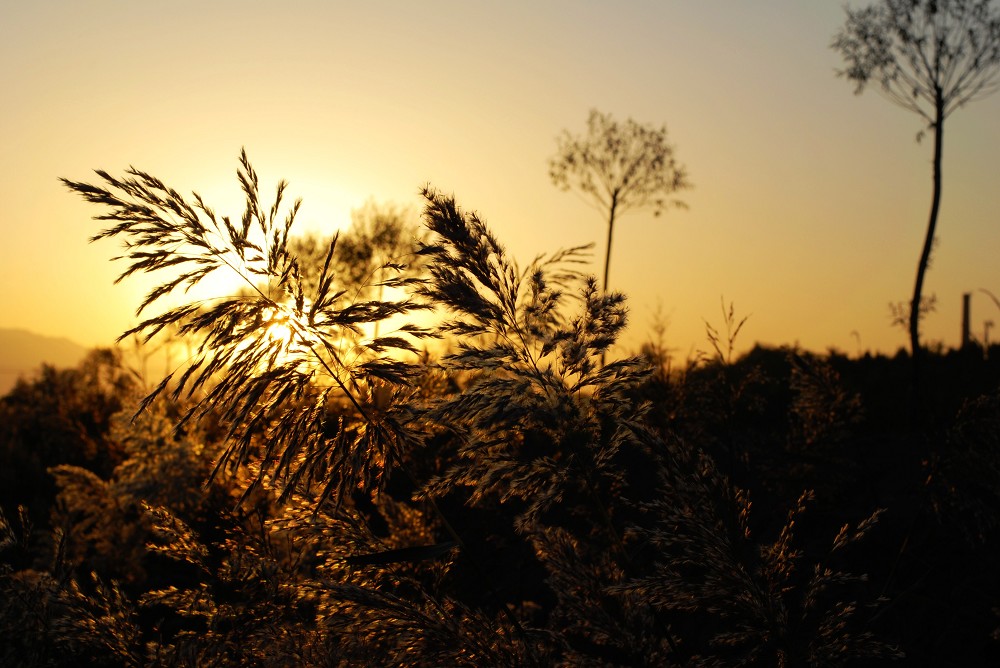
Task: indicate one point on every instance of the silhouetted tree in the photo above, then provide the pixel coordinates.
(61, 417)
(380, 234)
(619, 167)
(930, 57)
(380, 243)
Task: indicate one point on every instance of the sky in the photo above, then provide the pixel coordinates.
(809, 204)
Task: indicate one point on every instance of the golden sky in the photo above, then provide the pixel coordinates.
(808, 211)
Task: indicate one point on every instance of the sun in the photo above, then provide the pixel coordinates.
(285, 333)
(278, 330)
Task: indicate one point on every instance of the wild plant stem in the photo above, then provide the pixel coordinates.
(448, 527)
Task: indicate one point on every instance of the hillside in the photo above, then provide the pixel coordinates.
(22, 352)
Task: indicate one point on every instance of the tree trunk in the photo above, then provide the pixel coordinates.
(925, 255)
(611, 229)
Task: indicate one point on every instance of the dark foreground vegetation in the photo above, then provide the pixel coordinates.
(511, 502)
(116, 553)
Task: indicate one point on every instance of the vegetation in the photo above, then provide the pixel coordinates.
(307, 492)
(619, 167)
(930, 57)
(381, 235)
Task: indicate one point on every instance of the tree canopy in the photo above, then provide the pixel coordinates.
(619, 167)
(921, 53)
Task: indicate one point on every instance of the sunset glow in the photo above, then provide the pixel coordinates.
(807, 208)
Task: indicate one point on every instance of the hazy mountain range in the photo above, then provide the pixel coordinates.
(23, 352)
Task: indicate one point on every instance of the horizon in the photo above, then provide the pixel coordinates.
(809, 203)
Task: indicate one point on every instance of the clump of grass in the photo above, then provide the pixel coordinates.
(269, 362)
(541, 414)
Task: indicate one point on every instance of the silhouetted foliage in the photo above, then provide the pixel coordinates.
(60, 417)
(930, 57)
(281, 343)
(380, 241)
(619, 167)
(546, 509)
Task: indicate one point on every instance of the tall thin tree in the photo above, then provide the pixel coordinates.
(619, 167)
(930, 57)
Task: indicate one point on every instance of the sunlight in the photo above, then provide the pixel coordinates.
(278, 330)
(283, 333)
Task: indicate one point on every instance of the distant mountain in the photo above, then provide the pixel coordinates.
(23, 352)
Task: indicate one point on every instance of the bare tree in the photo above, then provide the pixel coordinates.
(930, 57)
(619, 167)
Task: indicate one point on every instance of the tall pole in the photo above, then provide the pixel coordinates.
(966, 299)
